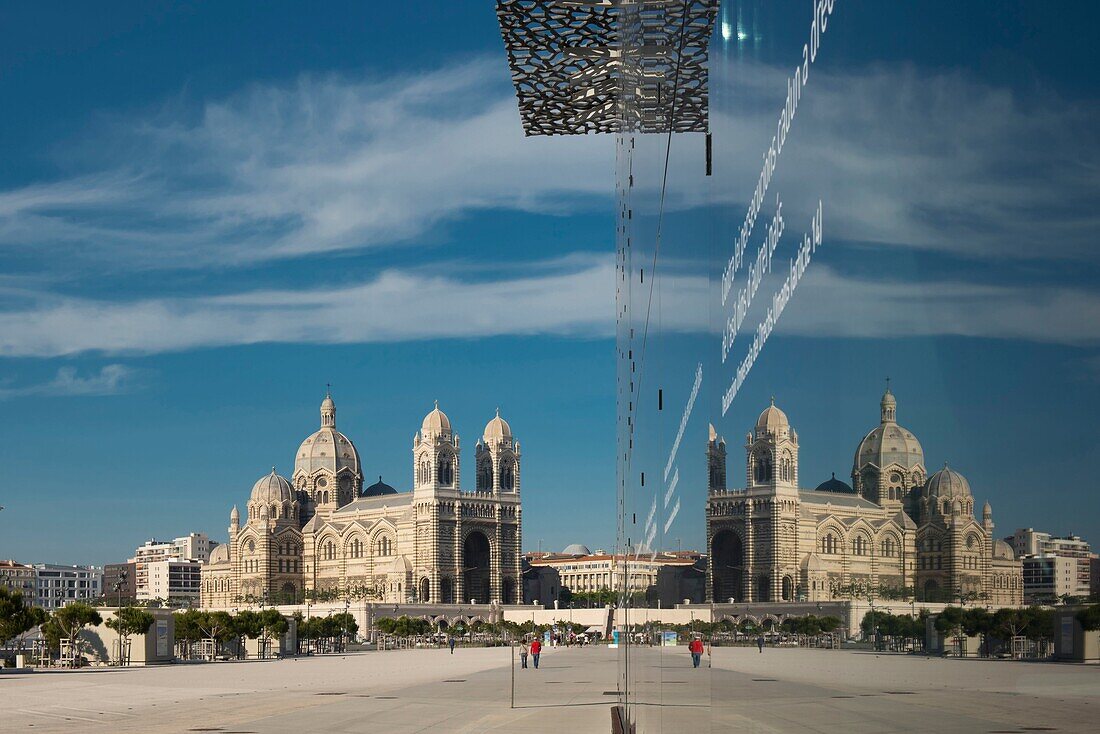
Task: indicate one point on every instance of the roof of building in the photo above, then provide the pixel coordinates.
(400, 499)
(378, 489)
(1003, 550)
(772, 419)
(841, 500)
(947, 483)
(327, 448)
(498, 429)
(436, 423)
(835, 485)
(271, 488)
(576, 549)
(888, 444)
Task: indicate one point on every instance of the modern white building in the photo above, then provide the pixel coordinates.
(173, 579)
(56, 586)
(1049, 577)
(1073, 579)
(195, 547)
(192, 547)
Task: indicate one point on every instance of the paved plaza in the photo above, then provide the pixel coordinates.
(781, 690)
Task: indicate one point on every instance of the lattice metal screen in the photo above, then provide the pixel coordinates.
(605, 66)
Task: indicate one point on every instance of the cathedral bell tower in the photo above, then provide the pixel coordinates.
(772, 454)
(435, 453)
(716, 462)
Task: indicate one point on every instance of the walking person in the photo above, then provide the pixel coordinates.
(451, 644)
(524, 649)
(695, 647)
(536, 650)
(760, 643)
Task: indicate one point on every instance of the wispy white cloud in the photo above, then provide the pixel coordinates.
(322, 164)
(328, 163)
(830, 304)
(111, 379)
(572, 297)
(568, 297)
(908, 158)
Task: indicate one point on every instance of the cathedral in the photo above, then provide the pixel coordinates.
(320, 534)
(896, 531)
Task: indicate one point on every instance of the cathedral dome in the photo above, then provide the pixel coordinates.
(378, 489)
(576, 549)
(1003, 551)
(220, 554)
(327, 448)
(435, 423)
(889, 444)
(947, 484)
(498, 429)
(271, 489)
(835, 485)
(772, 420)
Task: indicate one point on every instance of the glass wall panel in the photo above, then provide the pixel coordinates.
(843, 315)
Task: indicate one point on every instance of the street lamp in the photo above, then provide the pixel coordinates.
(119, 583)
(347, 609)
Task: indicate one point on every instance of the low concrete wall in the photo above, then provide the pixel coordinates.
(156, 647)
(1071, 642)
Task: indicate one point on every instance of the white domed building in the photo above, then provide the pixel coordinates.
(895, 529)
(322, 535)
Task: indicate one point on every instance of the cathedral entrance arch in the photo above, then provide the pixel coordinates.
(476, 562)
(446, 591)
(508, 591)
(289, 593)
(764, 588)
(931, 590)
(728, 553)
(425, 591)
(788, 588)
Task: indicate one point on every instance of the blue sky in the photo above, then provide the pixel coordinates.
(208, 211)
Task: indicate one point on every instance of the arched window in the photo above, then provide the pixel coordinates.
(889, 548)
(508, 475)
(859, 546)
(485, 475)
(446, 470)
(829, 544)
(385, 546)
(762, 466)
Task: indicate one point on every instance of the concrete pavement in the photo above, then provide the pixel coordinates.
(781, 690)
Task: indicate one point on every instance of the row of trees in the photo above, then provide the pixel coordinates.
(193, 626)
(326, 633)
(1034, 623)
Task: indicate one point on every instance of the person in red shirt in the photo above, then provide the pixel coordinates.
(695, 647)
(536, 649)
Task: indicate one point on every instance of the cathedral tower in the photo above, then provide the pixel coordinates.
(888, 468)
(326, 467)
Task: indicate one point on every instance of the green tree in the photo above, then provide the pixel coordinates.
(16, 616)
(272, 624)
(188, 626)
(950, 621)
(1089, 617)
(67, 622)
(127, 622)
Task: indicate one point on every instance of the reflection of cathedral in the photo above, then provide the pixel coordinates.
(322, 532)
(897, 529)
